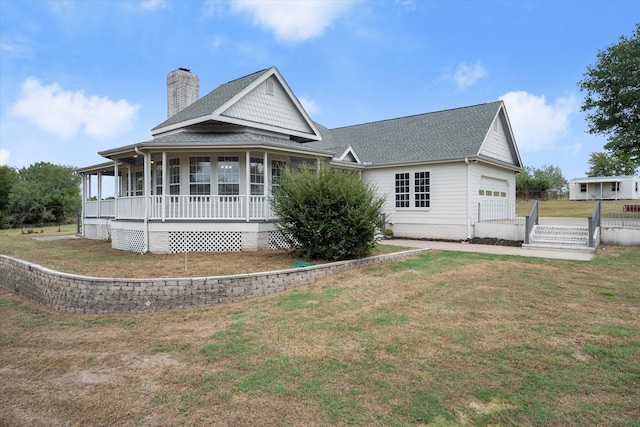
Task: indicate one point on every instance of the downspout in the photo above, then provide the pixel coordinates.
(145, 168)
(466, 160)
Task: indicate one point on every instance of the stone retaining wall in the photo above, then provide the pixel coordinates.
(81, 294)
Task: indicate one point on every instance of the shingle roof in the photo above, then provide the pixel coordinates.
(213, 100)
(226, 138)
(441, 135)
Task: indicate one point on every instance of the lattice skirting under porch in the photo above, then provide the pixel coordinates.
(277, 240)
(205, 241)
(128, 240)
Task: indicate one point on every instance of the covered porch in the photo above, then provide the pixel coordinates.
(180, 201)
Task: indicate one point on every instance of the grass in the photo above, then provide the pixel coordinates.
(441, 339)
(97, 258)
(572, 208)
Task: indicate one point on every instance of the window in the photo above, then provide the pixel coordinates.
(422, 189)
(139, 183)
(158, 178)
(174, 176)
(200, 175)
(481, 192)
(228, 175)
(419, 190)
(636, 187)
(277, 166)
(257, 176)
(402, 190)
(615, 186)
(583, 188)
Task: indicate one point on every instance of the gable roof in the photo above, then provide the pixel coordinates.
(238, 102)
(211, 102)
(442, 135)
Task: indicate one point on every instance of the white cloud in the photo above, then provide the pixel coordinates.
(310, 106)
(151, 5)
(536, 124)
(4, 156)
(468, 75)
(66, 114)
(293, 20)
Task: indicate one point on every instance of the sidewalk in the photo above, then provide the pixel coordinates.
(490, 249)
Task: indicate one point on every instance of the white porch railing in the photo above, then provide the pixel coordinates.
(106, 208)
(130, 207)
(183, 208)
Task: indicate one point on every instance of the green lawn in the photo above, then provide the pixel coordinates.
(570, 208)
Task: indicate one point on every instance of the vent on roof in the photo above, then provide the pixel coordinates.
(269, 85)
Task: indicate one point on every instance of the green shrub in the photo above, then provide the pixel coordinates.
(327, 213)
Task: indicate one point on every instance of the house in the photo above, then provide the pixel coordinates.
(605, 188)
(203, 182)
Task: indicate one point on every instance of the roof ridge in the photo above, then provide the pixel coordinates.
(244, 77)
(416, 115)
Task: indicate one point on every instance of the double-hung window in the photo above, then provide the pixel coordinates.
(174, 176)
(200, 176)
(277, 166)
(403, 187)
(257, 176)
(139, 183)
(422, 188)
(228, 175)
(413, 189)
(158, 178)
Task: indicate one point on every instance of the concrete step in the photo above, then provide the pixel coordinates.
(555, 247)
(556, 237)
(560, 240)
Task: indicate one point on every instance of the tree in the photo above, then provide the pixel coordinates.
(327, 213)
(613, 96)
(45, 193)
(604, 164)
(552, 175)
(546, 178)
(8, 177)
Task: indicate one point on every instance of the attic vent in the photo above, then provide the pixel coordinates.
(349, 158)
(269, 87)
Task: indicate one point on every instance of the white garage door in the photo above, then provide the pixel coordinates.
(493, 189)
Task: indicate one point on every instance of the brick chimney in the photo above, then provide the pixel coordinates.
(183, 89)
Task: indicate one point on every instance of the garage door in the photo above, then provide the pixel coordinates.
(493, 189)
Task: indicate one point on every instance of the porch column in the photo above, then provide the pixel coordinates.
(116, 178)
(247, 191)
(164, 184)
(128, 180)
(99, 195)
(600, 191)
(84, 200)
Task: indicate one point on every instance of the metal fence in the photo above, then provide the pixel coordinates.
(504, 210)
(616, 213)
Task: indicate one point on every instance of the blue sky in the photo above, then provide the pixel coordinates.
(78, 77)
